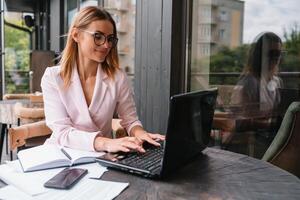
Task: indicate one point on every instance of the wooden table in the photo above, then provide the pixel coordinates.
(217, 174)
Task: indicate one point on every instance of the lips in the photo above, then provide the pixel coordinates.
(101, 50)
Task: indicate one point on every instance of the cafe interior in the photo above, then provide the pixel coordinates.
(250, 54)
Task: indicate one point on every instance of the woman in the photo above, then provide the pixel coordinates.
(256, 95)
(83, 92)
(259, 83)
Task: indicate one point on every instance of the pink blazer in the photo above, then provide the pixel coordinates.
(74, 124)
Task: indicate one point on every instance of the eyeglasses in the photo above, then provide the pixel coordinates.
(276, 54)
(100, 38)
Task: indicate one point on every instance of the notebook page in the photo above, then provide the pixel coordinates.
(43, 156)
(80, 156)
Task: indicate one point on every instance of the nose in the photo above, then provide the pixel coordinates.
(106, 44)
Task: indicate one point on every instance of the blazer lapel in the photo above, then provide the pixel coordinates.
(76, 94)
(99, 90)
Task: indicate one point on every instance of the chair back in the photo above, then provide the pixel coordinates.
(284, 151)
(20, 136)
(17, 96)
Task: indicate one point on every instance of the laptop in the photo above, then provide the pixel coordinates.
(188, 133)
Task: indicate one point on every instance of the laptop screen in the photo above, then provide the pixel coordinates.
(189, 126)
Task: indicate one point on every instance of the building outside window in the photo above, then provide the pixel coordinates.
(123, 12)
(221, 34)
(223, 15)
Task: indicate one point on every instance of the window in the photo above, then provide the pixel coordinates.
(71, 10)
(251, 51)
(84, 3)
(221, 34)
(17, 47)
(223, 15)
(123, 12)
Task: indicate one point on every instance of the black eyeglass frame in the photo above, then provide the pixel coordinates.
(106, 38)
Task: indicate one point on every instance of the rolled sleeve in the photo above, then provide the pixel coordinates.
(126, 106)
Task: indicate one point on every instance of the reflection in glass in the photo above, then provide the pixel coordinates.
(259, 81)
(222, 55)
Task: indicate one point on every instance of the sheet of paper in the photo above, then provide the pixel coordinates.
(85, 189)
(94, 170)
(28, 183)
(12, 193)
(32, 182)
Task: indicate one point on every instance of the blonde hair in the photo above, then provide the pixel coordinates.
(82, 19)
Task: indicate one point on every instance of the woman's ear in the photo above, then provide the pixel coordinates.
(75, 34)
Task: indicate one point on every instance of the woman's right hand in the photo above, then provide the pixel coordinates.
(124, 144)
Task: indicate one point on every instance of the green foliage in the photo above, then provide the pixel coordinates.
(17, 51)
(291, 60)
(229, 60)
(292, 40)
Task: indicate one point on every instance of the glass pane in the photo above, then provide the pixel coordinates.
(17, 50)
(84, 3)
(71, 10)
(123, 12)
(250, 51)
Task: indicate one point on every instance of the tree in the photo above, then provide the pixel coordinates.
(17, 44)
(17, 51)
(291, 59)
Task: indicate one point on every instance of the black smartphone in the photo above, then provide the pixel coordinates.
(66, 178)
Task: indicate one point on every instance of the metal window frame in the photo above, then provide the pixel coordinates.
(2, 80)
(161, 58)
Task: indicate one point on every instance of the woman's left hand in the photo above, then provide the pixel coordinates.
(151, 138)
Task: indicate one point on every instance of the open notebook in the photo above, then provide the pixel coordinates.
(51, 156)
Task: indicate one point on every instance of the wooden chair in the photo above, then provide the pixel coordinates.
(17, 96)
(118, 130)
(22, 114)
(28, 135)
(34, 97)
(284, 151)
(27, 115)
(33, 134)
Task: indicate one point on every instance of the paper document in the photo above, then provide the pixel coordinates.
(32, 182)
(86, 189)
(12, 193)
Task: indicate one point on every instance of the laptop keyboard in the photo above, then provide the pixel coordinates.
(151, 160)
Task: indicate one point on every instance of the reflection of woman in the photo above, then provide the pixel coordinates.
(259, 83)
(257, 89)
(81, 94)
